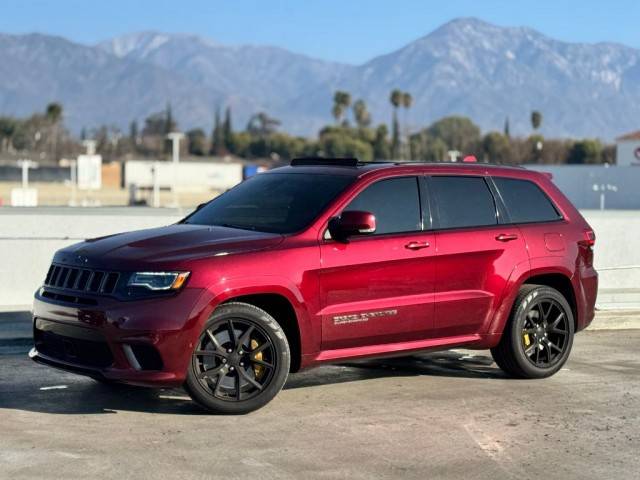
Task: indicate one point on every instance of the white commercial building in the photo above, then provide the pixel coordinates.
(628, 149)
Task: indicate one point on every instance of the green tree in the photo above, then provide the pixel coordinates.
(507, 129)
(496, 147)
(262, 125)
(458, 133)
(170, 124)
(341, 103)
(54, 112)
(361, 114)
(217, 136)
(588, 151)
(8, 127)
(407, 101)
(343, 144)
(197, 141)
(536, 120)
(381, 150)
(227, 130)
(133, 133)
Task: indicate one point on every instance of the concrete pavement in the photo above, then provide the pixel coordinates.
(439, 415)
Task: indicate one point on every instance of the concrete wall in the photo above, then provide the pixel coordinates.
(30, 236)
(577, 182)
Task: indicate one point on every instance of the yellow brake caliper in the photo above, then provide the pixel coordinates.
(526, 339)
(258, 369)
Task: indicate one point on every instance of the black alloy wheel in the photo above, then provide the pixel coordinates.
(538, 336)
(545, 332)
(240, 362)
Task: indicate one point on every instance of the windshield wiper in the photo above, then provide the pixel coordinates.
(238, 227)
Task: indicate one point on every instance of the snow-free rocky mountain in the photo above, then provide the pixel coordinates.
(466, 67)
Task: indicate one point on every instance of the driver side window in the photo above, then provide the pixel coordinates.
(394, 202)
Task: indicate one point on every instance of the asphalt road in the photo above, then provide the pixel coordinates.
(441, 415)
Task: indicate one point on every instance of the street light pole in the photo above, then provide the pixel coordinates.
(26, 165)
(175, 138)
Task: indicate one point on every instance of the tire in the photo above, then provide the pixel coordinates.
(538, 337)
(240, 362)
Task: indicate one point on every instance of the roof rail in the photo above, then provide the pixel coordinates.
(337, 162)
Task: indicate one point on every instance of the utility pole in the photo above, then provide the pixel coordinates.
(175, 138)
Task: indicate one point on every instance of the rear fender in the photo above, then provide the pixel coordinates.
(538, 266)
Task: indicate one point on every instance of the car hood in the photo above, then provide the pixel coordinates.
(165, 245)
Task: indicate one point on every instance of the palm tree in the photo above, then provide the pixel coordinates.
(361, 114)
(54, 112)
(407, 101)
(53, 115)
(396, 100)
(262, 125)
(341, 102)
(536, 119)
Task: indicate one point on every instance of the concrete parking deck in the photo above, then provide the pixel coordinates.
(440, 415)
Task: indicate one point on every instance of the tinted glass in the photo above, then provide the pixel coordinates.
(525, 201)
(463, 202)
(273, 202)
(394, 202)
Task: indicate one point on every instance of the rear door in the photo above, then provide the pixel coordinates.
(475, 254)
(378, 288)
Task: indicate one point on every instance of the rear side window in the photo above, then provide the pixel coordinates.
(394, 202)
(525, 201)
(463, 202)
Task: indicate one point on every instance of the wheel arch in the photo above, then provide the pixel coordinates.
(280, 308)
(560, 282)
(559, 278)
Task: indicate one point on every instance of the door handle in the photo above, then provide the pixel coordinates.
(416, 245)
(506, 237)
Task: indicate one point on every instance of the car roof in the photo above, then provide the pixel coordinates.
(393, 168)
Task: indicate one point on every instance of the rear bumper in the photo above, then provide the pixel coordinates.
(147, 343)
(587, 292)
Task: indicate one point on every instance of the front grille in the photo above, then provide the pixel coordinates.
(72, 344)
(81, 279)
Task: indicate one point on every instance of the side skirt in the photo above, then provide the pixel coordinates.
(394, 349)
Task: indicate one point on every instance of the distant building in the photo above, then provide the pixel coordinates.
(628, 149)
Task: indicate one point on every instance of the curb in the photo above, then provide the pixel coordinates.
(616, 320)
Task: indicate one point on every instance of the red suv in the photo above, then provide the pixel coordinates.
(323, 261)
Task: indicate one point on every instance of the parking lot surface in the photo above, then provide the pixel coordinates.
(436, 415)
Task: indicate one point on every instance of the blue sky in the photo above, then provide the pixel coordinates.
(350, 31)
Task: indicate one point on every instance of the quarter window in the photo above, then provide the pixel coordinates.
(394, 202)
(463, 202)
(525, 201)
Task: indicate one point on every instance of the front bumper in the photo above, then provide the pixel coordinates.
(147, 342)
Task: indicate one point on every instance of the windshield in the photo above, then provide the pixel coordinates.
(272, 202)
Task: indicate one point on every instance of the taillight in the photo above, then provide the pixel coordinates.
(589, 239)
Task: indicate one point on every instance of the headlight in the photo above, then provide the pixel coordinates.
(158, 281)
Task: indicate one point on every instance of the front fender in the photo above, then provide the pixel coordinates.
(229, 288)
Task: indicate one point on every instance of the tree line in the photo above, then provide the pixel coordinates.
(352, 134)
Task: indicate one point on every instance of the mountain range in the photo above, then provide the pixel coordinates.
(465, 67)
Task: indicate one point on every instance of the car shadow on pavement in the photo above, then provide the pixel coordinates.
(59, 392)
(463, 364)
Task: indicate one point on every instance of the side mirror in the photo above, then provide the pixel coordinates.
(352, 222)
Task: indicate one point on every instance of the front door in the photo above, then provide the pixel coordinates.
(378, 288)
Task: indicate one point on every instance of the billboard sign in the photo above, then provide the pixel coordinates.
(89, 172)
